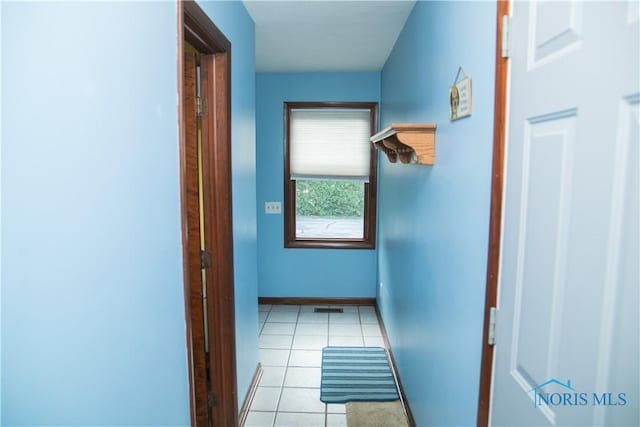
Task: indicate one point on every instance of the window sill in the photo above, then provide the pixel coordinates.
(329, 244)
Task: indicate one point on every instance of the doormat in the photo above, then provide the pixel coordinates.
(376, 414)
(356, 374)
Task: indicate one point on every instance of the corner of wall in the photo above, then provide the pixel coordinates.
(434, 220)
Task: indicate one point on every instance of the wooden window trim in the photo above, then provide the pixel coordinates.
(370, 189)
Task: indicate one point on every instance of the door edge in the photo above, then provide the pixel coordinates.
(495, 222)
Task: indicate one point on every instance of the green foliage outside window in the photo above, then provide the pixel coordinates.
(330, 198)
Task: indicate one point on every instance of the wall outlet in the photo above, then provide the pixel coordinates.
(272, 208)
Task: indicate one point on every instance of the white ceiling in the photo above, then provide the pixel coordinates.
(326, 35)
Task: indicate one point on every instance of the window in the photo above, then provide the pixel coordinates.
(330, 175)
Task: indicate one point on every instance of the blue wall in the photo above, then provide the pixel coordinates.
(304, 272)
(234, 21)
(93, 329)
(92, 293)
(434, 220)
(0, 213)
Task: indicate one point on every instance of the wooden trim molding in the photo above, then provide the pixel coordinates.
(184, 214)
(200, 32)
(248, 399)
(495, 224)
(403, 396)
(215, 88)
(316, 301)
(212, 375)
(369, 236)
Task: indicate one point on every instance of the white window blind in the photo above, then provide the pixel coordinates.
(330, 144)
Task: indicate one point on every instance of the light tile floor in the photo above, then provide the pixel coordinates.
(291, 342)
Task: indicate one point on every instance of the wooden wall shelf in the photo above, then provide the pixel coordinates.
(408, 142)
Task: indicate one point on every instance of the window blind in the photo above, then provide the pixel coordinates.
(330, 144)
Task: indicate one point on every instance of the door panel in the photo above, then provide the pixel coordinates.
(568, 290)
(555, 30)
(620, 319)
(548, 149)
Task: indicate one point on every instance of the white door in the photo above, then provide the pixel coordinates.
(567, 325)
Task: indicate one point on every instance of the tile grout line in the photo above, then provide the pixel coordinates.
(275, 412)
(286, 368)
(265, 319)
(286, 371)
(260, 333)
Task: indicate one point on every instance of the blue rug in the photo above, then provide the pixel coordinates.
(356, 374)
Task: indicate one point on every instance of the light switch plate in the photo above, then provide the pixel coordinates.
(272, 207)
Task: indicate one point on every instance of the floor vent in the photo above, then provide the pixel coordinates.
(327, 310)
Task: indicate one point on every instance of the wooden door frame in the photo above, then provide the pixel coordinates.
(195, 27)
(495, 224)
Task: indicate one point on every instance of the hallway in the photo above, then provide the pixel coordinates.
(291, 342)
(536, 190)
